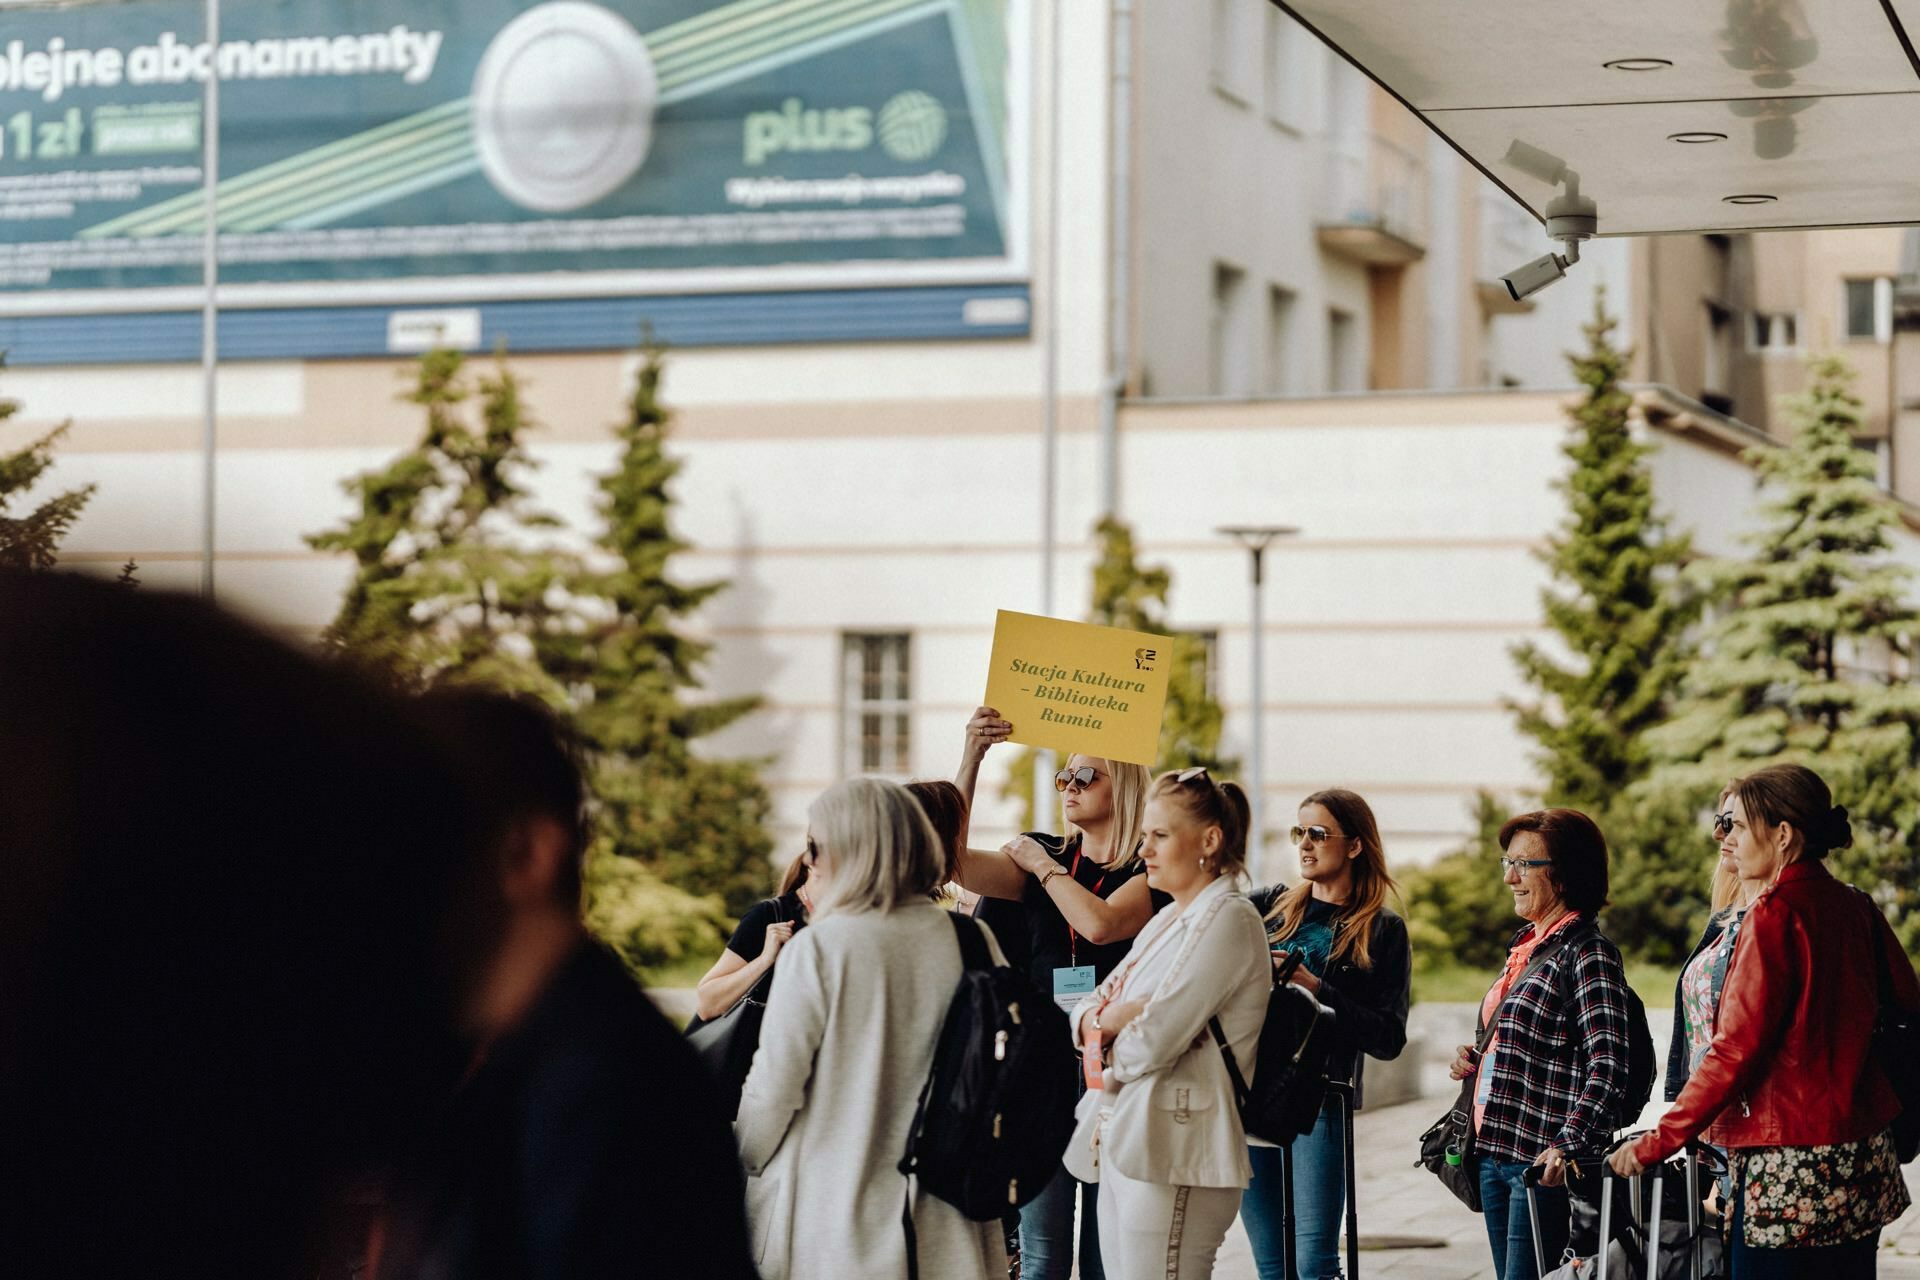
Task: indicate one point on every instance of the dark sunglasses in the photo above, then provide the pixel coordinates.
(1082, 777)
(1722, 825)
(811, 854)
(1316, 835)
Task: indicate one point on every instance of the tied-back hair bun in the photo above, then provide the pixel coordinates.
(1839, 832)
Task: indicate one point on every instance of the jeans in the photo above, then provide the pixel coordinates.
(1319, 1196)
(1503, 1198)
(1854, 1260)
(1046, 1231)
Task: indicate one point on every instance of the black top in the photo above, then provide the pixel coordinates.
(1051, 944)
(1008, 920)
(1369, 1005)
(750, 935)
(589, 1135)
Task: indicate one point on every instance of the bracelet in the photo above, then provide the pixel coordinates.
(1049, 874)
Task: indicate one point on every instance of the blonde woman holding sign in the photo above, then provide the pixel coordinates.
(1159, 1129)
(1073, 906)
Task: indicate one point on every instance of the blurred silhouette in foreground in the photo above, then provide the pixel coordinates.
(225, 980)
(588, 1141)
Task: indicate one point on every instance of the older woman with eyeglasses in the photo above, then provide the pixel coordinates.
(1080, 900)
(1550, 1065)
(1353, 956)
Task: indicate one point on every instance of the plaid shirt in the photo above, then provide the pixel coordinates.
(1559, 1072)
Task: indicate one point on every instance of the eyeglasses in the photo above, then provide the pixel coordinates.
(1722, 825)
(1522, 864)
(1314, 835)
(1082, 777)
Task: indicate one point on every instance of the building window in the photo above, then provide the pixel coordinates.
(1774, 331)
(1343, 351)
(1290, 51)
(876, 703)
(1280, 378)
(1870, 310)
(1228, 336)
(1235, 48)
(1716, 378)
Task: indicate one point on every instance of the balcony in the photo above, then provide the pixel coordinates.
(1374, 203)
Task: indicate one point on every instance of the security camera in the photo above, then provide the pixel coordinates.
(1524, 282)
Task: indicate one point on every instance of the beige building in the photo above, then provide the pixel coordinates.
(1253, 289)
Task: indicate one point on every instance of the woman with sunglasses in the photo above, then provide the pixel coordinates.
(1696, 996)
(1081, 900)
(1791, 1084)
(1353, 956)
(1158, 1128)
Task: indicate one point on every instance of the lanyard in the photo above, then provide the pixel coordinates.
(1073, 939)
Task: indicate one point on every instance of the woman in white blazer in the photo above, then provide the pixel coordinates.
(847, 1043)
(1161, 1133)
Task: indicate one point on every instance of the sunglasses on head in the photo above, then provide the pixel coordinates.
(1082, 777)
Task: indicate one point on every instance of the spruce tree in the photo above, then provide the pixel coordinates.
(693, 821)
(1612, 604)
(1133, 596)
(1619, 615)
(1800, 660)
(456, 575)
(30, 540)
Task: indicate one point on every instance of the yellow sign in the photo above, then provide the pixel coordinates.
(1072, 686)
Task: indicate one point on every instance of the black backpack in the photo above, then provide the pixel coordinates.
(1290, 1074)
(1643, 1066)
(996, 1111)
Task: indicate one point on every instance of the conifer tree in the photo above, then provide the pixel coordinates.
(1805, 657)
(1133, 596)
(695, 822)
(31, 539)
(454, 579)
(1620, 618)
(1612, 604)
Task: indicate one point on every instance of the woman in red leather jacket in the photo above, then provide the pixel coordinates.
(1790, 1084)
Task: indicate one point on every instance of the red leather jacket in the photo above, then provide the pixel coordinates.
(1792, 1060)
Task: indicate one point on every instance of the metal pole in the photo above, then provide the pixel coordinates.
(1050, 390)
(1256, 770)
(209, 286)
(1120, 254)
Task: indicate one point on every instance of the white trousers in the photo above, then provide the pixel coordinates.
(1150, 1231)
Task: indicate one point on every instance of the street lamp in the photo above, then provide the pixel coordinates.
(1256, 538)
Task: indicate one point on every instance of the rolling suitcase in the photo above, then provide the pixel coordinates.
(1342, 1092)
(1618, 1258)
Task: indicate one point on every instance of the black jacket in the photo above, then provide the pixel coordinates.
(1677, 1072)
(1369, 1005)
(588, 1140)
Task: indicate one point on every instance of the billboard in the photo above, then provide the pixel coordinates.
(504, 144)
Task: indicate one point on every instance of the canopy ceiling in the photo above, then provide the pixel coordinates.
(1709, 106)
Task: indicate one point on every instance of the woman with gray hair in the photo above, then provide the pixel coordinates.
(845, 1048)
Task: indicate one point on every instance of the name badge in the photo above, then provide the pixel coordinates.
(1071, 984)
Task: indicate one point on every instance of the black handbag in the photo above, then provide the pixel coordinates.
(1896, 1043)
(727, 1044)
(1289, 1084)
(1447, 1148)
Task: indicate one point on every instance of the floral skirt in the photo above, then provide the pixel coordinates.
(1806, 1197)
